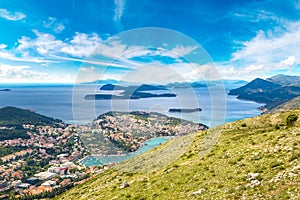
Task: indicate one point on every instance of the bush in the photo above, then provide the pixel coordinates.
(291, 119)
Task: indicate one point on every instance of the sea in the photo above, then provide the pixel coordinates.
(66, 102)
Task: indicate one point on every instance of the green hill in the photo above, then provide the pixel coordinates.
(12, 116)
(12, 119)
(257, 158)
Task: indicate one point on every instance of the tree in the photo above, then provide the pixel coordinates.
(291, 119)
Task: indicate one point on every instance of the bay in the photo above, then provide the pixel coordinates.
(106, 159)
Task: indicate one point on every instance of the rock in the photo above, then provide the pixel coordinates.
(124, 185)
(253, 183)
(199, 191)
(252, 176)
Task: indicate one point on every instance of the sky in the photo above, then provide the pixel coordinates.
(147, 41)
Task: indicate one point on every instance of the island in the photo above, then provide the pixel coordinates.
(130, 92)
(5, 90)
(185, 110)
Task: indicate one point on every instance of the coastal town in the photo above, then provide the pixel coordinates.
(123, 132)
(45, 163)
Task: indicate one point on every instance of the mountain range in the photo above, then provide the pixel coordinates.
(194, 84)
(271, 91)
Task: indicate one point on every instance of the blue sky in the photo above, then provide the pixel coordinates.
(72, 40)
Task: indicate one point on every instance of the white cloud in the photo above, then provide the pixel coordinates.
(59, 28)
(53, 24)
(287, 63)
(119, 9)
(253, 68)
(166, 73)
(44, 43)
(3, 46)
(9, 73)
(13, 16)
(179, 51)
(82, 45)
(153, 74)
(87, 69)
(228, 71)
(270, 49)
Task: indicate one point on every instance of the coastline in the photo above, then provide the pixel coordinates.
(127, 154)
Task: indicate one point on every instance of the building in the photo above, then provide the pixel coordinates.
(32, 181)
(49, 183)
(44, 175)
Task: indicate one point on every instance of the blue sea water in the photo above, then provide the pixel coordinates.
(66, 102)
(106, 159)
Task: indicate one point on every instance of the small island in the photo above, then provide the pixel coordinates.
(185, 110)
(5, 90)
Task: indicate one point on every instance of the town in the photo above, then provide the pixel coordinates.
(124, 132)
(43, 164)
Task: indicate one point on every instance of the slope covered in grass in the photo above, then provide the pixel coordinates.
(255, 158)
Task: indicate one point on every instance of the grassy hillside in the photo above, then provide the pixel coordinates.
(289, 105)
(257, 158)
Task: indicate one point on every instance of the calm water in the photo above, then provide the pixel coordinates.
(99, 160)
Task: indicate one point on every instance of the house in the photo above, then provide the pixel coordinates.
(49, 183)
(24, 185)
(44, 175)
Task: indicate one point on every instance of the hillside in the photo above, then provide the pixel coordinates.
(12, 119)
(285, 79)
(272, 91)
(289, 105)
(255, 158)
(258, 85)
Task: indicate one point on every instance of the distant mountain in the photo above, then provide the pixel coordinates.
(285, 79)
(143, 87)
(111, 87)
(234, 82)
(268, 91)
(202, 84)
(256, 86)
(103, 82)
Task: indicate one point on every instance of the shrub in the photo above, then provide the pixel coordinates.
(291, 119)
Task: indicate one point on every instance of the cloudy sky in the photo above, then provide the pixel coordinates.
(65, 41)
